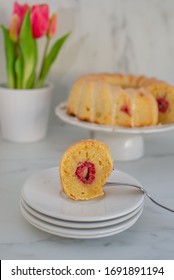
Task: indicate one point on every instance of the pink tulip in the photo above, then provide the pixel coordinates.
(52, 26)
(39, 20)
(20, 11)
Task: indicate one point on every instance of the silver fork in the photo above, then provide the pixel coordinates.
(140, 188)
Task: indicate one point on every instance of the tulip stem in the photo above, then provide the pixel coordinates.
(44, 56)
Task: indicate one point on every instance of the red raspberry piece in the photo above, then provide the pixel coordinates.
(85, 172)
(163, 104)
(126, 110)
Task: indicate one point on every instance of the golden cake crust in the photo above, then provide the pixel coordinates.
(121, 100)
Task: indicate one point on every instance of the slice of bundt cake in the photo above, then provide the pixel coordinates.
(84, 169)
(164, 95)
(140, 109)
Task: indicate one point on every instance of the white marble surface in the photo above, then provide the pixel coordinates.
(152, 237)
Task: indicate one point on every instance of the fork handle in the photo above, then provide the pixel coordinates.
(143, 190)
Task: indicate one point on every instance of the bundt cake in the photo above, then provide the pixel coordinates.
(120, 100)
(84, 169)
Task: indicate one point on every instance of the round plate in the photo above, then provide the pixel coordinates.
(43, 192)
(79, 233)
(60, 111)
(80, 225)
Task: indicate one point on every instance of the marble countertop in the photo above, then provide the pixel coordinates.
(151, 237)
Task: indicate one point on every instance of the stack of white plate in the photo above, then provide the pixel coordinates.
(45, 206)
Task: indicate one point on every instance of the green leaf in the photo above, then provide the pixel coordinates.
(9, 46)
(50, 58)
(19, 71)
(28, 50)
(31, 81)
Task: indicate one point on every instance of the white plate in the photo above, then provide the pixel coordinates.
(60, 111)
(74, 224)
(79, 233)
(43, 193)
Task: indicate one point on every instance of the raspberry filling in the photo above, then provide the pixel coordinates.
(126, 110)
(85, 172)
(163, 104)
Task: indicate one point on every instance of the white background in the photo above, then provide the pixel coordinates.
(95, 270)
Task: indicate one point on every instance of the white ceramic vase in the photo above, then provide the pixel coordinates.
(24, 114)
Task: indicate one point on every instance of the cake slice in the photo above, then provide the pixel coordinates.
(84, 169)
(164, 95)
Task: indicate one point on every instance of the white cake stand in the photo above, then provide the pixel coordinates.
(125, 143)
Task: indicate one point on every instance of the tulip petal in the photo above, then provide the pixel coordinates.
(20, 11)
(39, 20)
(52, 26)
(14, 28)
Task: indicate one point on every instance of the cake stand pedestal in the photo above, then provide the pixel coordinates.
(123, 147)
(125, 143)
